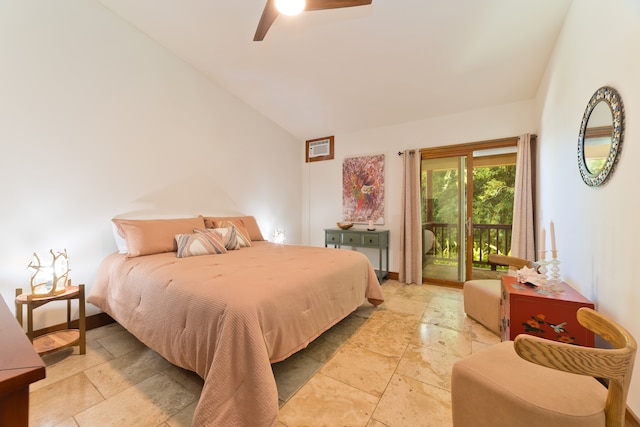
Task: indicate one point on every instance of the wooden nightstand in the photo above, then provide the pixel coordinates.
(19, 367)
(56, 340)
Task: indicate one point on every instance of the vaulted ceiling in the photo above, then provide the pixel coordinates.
(343, 70)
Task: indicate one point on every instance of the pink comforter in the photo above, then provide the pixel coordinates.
(228, 317)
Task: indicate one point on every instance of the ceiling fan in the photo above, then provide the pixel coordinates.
(271, 12)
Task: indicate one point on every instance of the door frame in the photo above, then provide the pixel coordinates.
(458, 150)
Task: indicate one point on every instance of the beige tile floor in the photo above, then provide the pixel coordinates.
(386, 366)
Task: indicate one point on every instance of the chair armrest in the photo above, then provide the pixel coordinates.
(609, 330)
(518, 263)
(595, 362)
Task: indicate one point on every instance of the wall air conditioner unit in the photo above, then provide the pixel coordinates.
(319, 148)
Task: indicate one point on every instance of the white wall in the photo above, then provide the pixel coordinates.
(98, 120)
(597, 228)
(322, 181)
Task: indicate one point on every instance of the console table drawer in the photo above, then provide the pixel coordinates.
(371, 240)
(332, 237)
(352, 239)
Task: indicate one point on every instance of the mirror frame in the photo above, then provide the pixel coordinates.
(612, 98)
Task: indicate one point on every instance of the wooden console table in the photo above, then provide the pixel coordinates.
(376, 239)
(551, 315)
(20, 366)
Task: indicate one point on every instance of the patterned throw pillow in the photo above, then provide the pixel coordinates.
(199, 244)
(241, 230)
(228, 235)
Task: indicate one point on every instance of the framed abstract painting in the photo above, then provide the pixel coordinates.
(363, 189)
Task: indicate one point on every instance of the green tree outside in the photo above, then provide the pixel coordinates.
(493, 197)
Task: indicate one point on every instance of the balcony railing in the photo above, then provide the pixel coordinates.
(487, 239)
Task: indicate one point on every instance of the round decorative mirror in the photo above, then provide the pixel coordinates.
(601, 135)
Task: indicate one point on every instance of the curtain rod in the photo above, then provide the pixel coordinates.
(453, 146)
(400, 153)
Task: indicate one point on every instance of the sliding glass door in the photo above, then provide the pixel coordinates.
(494, 177)
(467, 207)
(444, 218)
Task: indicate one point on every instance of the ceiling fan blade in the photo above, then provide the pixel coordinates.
(334, 4)
(269, 14)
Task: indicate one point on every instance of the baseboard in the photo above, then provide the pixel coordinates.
(444, 283)
(92, 322)
(631, 420)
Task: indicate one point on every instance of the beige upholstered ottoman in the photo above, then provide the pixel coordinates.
(492, 387)
(482, 302)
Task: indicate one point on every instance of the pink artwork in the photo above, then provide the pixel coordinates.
(363, 189)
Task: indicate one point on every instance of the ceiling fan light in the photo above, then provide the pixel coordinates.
(290, 7)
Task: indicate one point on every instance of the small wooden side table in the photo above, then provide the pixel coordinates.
(551, 315)
(56, 340)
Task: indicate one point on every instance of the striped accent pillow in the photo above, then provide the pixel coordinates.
(228, 235)
(199, 244)
(241, 230)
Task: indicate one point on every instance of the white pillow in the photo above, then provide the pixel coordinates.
(121, 243)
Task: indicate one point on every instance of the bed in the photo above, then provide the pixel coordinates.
(228, 316)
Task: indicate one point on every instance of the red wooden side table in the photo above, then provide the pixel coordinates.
(543, 313)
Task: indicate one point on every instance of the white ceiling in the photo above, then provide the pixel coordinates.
(343, 70)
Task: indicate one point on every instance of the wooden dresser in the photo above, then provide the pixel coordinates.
(551, 315)
(20, 366)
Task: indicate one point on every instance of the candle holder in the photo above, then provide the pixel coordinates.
(555, 269)
(542, 263)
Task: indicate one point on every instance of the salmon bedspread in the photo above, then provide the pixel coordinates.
(227, 317)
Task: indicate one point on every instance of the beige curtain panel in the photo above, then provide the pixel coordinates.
(411, 226)
(522, 243)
